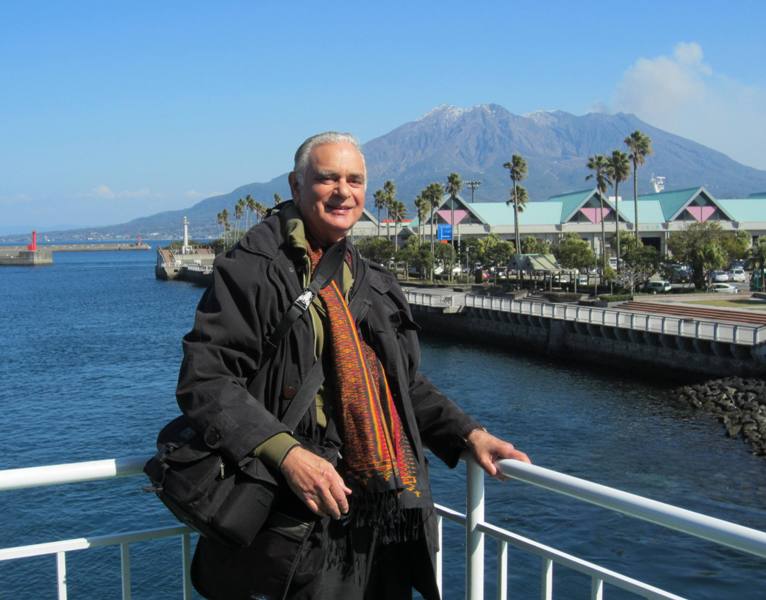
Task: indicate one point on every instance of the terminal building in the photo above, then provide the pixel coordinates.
(581, 212)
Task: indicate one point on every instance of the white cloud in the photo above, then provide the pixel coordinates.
(105, 192)
(683, 94)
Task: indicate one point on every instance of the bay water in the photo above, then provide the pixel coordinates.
(89, 354)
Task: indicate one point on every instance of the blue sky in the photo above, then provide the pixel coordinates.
(116, 110)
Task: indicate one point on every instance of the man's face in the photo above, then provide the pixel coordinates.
(331, 196)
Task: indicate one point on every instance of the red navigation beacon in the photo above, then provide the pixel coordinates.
(33, 245)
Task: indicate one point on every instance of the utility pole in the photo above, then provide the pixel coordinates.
(473, 184)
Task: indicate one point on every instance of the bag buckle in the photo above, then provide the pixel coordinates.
(304, 300)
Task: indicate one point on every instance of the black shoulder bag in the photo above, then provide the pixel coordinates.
(222, 500)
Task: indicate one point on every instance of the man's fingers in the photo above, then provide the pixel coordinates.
(328, 503)
(519, 455)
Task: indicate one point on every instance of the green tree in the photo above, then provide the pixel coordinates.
(277, 199)
(619, 169)
(701, 246)
(736, 244)
(517, 171)
(639, 262)
(454, 185)
(640, 146)
(573, 252)
(530, 245)
(378, 250)
(600, 167)
(494, 251)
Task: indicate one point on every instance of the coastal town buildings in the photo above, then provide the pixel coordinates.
(581, 212)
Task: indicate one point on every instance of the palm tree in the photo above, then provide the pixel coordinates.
(619, 169)
(250, 205)
(433, 195)
(640, 146)
(600, 167)
(239, 210)
(454, 185)
(398, 212)
(277, 199)
(519, 198)
(421, 204)
(219, 220)
(517, 170)
(225, 222)
(389, 193)
(261, 210)
(380, 202)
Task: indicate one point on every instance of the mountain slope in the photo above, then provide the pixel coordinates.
(475, 143)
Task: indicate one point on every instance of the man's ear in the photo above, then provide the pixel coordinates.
(294, 188)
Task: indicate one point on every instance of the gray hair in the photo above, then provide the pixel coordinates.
(328, 137)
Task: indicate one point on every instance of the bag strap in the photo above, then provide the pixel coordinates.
(328, 266)
(315, 377)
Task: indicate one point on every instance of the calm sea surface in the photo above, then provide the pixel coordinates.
(88, 361)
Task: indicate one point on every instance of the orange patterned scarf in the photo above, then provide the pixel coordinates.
(377, 455)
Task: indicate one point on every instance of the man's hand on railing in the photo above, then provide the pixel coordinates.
(487, 449)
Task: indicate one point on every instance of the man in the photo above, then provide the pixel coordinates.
(354, 469)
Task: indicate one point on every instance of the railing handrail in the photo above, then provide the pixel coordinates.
(720, 531)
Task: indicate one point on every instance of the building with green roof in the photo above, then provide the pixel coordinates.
(582, 212)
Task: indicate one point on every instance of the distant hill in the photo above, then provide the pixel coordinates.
(475, 142)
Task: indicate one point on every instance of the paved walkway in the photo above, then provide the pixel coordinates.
(696, 312)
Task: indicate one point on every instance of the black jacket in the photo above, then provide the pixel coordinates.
(253, 286)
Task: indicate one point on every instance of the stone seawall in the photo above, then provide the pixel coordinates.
(739, 404)
(602, 345)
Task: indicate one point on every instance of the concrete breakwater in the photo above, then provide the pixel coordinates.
(663, 345)
(25, 258)
(740, 404)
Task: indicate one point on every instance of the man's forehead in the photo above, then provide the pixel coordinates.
(329, 155)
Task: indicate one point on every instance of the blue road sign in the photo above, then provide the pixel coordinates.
(444, 232)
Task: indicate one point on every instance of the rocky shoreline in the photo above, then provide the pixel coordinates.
(739, 403)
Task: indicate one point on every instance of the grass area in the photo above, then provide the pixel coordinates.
(732, 303)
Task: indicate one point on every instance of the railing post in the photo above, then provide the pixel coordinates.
(186, 566)
(61, 575)
(474, 542)
(502, 570)
(546, 580)
(597, 589)
(734, 334)
(125, 568)
(439, 557)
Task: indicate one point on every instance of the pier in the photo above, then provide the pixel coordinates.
(650, 335)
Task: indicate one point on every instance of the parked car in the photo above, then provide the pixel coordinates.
(724, 288)
(658, 287)
(738, 274)
(719, 276)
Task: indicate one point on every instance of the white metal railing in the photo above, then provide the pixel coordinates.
(701, 526)
(426, 299)
(748, 335)
(15, 479)
(698, 525)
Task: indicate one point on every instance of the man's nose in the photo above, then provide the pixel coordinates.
(343, 189)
